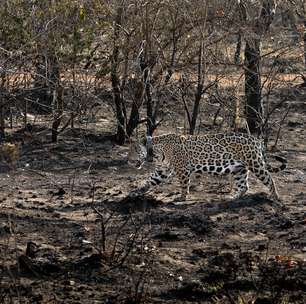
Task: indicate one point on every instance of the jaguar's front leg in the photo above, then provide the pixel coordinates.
(184, 178)
(160, 176)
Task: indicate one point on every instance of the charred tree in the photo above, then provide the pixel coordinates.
(304, 39)
(117, 96)
(2, 120)
(201, 71)
(147, 63)
(254, 105)
(138, 91)
(238, 49)
(2, 106)
(242, 16)
(47, 73)
(199, 91)
(58, 110)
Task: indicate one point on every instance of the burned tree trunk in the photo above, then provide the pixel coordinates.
(58, 110)
(3, 96)
(46, 76)
(117, 97)
(242, 15)
(304, 39)
(151, 121)
(254, 106)
(2, 109)
(138, 90)
(201, 71)
(147, 63)
(150, 116)
(2, 120)
(199, 92)
(120, 135)
(238, 50)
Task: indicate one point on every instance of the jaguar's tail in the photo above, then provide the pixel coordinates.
(283, 165)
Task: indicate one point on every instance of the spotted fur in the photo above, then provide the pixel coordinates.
(219, 154)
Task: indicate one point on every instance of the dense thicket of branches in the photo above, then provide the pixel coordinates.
(59, 57)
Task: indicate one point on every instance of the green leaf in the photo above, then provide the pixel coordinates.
(82, 13)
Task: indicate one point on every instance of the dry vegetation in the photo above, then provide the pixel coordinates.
(78, 81)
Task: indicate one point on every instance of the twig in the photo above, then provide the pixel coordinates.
(280, 126)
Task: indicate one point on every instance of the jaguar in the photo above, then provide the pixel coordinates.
(236, 154)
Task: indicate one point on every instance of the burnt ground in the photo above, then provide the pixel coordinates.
(70, 234)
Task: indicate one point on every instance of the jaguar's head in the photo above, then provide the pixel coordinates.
(144, 150)
(138, 152)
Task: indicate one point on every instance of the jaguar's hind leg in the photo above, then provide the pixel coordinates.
(240, 181)
(233, 167)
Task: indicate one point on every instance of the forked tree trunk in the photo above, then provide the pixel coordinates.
(125, 126)
(134, 115)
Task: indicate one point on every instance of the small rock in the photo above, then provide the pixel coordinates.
(294, 123)
(31, 249)
(263, 301)
(60, 192)
(4, 230)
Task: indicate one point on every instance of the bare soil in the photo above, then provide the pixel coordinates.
(70, 234)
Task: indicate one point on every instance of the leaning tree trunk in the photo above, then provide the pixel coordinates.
(254, 106)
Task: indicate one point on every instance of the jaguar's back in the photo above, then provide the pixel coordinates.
(216, 148)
